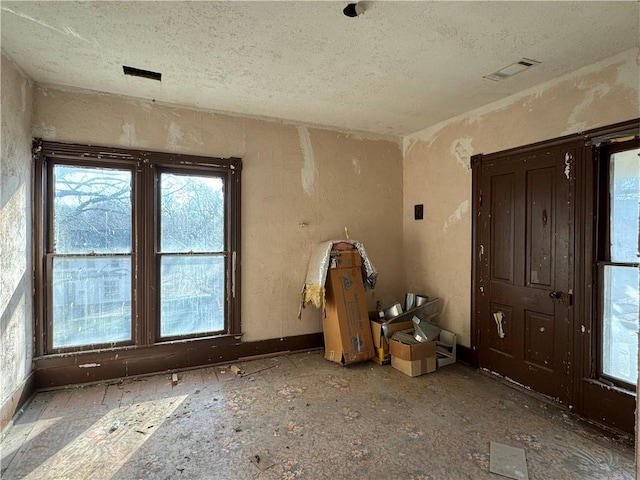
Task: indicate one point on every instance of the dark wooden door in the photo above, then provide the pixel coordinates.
(523, 276)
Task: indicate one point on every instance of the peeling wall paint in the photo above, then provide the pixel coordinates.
(574, 121)
(15, 230)
(438, 249)
(174, 136)
(355, 161)
(48, 131)
(292, 175)
(128, 137)
(308, 172)
(462, 150)
(456, 216)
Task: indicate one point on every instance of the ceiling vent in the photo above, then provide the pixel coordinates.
(512, 69)
(136, 72)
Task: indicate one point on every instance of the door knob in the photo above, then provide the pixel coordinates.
(566, 298)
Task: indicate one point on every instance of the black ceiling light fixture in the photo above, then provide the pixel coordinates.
(353, 10)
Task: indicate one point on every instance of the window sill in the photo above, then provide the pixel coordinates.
(99, 365)
(610, 387)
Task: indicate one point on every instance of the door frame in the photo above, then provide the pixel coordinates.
(584, 375)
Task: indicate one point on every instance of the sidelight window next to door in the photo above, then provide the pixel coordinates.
(618, 264)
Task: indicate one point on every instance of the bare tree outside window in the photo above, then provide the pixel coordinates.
(91, 292)
(133, 249)
(192, 285)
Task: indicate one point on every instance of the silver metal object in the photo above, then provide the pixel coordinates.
(409, 301)
(420, 300)
(392, 311)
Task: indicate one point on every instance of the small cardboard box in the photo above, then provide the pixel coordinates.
(347, 333)
(381, 343)
(413, 359)
(413, 351)
(414, 368)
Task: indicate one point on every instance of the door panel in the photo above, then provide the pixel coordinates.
(502, 235)
(540, 191)
(524, 303)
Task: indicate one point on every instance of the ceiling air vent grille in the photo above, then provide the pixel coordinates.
(137, 72)
(510, 70)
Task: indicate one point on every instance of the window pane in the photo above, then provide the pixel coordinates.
(625, 195)
(620, 323)
(91, 300)
(191, 294)
(92, 210)
(192, 213)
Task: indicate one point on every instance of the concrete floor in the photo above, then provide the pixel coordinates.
(303, 418)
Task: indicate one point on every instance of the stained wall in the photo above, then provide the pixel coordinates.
(437, 257)
(15, 236)
(300, 186)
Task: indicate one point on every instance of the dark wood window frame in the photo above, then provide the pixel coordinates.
(602, 154)
(146, 341)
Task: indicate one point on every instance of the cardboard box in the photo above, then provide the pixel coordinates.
(412, 351)
(446, 348)
(414, 368)
(344, 259)
(347, 333)
(381, 343)
(411, 358)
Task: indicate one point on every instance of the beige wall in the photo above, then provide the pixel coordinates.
(15, 232)
(437, 257)
(292, 175)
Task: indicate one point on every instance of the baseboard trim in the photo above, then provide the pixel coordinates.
(467, 356)
(88, 367)
(16, 401)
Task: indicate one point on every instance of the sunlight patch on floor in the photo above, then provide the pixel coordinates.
(103, 448)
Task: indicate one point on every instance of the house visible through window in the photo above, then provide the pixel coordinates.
(135, 248)
(618, 265)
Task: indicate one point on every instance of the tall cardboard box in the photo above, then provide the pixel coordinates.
(347, 333)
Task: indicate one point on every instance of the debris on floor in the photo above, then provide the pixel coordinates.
(174, 379)
(507, 461)
(262, 461)
(237, 371)
(114, 426)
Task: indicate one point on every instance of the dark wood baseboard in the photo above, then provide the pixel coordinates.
(467, 356)
(611, 407)
(16, 401)
(86, 367)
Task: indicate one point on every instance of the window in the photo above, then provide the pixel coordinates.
(90, 255)
(134, 248)
(618, 262)
(191, 254)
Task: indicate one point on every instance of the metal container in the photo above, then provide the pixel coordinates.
(409, 301)
(420, 300)
(393, 311)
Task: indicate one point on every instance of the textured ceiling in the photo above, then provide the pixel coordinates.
(398, 68)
